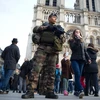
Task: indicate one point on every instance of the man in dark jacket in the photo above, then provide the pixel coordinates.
(10, 56)
(24, 71)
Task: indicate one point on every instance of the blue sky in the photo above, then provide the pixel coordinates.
(16, 21)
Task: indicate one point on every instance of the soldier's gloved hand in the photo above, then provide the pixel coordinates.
(51, 28)
(59, 29)
(42, 27)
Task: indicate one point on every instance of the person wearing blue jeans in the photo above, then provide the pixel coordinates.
(57, 86)
(11, 56)
(78, 58)
(7, 75)
(57, 78)
(70, 85)
(77, 67)
(1, 75)
(22, 84)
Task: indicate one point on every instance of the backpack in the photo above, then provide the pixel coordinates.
(36, 35)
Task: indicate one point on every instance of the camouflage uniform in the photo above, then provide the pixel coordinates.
(42, 57)
(44, 61)
(43, 79)
(42, 82)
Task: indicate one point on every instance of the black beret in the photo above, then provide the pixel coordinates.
(53, 14)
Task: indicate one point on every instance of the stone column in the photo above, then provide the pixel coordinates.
(34, 17)
(39, 16)
(61, 17)
(82, 4)
(51, 2)
(85, 14)
(38, 1)
(92, 21)
(41, 2)
(85, 23)
(90, 5)
(29, 47)
(58, 2)
(82, 19)
(97, 5)
(61, 3)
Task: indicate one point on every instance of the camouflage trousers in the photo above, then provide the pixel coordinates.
(42, 82)
(42, 59)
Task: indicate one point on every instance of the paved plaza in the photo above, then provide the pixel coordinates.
(17, 96)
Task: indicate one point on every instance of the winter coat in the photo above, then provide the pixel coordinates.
(66, 69)
(78, 50)
(11, 56)
(25, 69)
(93, 67)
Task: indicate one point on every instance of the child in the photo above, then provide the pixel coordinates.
(66, 72)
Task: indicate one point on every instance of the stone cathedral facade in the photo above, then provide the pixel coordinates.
(85, 16)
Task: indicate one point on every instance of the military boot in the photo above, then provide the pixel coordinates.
(51, 95)
(28, 95)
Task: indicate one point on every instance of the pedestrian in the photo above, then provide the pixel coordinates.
(70, 85)
(91, 70)
(1, 75)
(24, 70)
(46, 55)
(78, 58)
(11, 56)
(16, 80)
(57, 78)
(66, 72)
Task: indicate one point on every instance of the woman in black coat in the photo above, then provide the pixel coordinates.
(91, 70)
(78, 58)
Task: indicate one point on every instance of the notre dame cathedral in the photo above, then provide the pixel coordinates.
(85, 16)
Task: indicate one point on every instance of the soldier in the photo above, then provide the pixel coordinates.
(46, 55)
